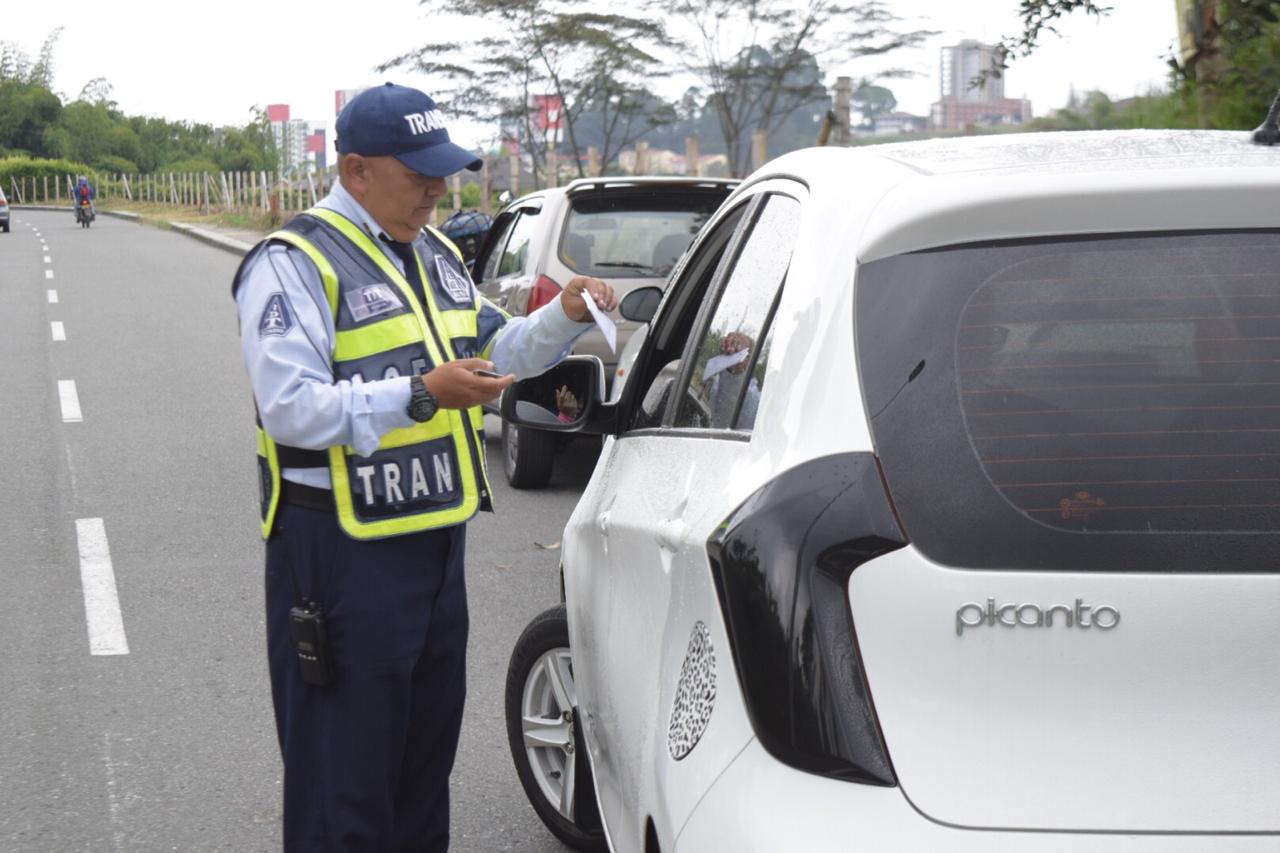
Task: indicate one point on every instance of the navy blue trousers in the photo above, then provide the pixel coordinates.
(367, 757)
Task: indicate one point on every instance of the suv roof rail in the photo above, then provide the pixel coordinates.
(589, 184)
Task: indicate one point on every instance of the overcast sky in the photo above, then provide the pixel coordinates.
(212, 63)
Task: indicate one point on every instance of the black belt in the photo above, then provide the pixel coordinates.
(306, 496)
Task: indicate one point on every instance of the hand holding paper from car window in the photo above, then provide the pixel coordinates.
(585, 298)
(734, 351)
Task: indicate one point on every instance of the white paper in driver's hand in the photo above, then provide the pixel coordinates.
(717, 363)
(602, 319)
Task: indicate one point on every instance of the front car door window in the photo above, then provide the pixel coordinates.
(658, 370)
(491, 255)
(516, 251)
(726, 377)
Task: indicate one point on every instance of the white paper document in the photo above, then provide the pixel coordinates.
(715, 364)
(602, 319)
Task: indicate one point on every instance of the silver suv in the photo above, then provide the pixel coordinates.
(628, 232)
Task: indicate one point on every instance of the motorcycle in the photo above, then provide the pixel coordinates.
(84, 213)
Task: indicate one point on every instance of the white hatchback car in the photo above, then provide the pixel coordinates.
(941, 511)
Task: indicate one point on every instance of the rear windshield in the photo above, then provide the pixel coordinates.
(639, 234)
(1081, 404)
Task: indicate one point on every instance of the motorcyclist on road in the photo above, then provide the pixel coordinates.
(86, 191)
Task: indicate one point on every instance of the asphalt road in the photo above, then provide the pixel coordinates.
(171, 745)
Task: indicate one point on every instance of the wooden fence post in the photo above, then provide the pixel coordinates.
(759, 148)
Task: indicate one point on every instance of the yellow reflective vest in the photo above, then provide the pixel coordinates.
(421, 477)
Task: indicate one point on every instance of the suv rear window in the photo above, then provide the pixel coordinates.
(1081, 404)
(637, 234)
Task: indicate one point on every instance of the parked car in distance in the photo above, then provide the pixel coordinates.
(939, 510)
(628, 232)
(4, 213)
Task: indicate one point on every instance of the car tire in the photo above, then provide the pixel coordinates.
(541, 700)
(528, 456)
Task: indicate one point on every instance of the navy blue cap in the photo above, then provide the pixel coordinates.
(403, 123)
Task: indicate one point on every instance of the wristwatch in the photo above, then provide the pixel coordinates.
(422, 403)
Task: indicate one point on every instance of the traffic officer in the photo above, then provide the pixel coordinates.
(362, 334)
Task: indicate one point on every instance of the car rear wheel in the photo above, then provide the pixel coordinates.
(528, 456)
(545, 736)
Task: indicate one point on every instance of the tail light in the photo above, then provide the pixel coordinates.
(781, 564)
(544, 290)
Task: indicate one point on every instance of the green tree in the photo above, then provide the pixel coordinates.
(872, 102)
(566, 49)
(1226, 74)
(92, 130)
(27, 111)
(89, 129)
(756, 58)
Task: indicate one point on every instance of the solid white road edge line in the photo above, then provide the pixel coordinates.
(101, 602)
(70, 401)
(59, 331)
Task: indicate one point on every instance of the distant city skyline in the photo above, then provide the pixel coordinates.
(303, 59)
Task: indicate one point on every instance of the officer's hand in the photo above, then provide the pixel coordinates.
(736, 342)
(456, 385)
(582, 287)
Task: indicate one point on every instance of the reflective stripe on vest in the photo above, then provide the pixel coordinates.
(422, 477)
(268, 480)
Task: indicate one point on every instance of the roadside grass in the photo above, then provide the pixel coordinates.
(255, 221)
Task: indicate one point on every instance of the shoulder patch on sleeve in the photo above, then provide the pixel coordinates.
(276, 319)
(457, 285)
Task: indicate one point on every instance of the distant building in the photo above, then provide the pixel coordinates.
(963, 103)
(295, 138)
(317, 150)
(342, 97)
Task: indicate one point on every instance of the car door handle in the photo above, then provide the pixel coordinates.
(671, 533)
(602, 522)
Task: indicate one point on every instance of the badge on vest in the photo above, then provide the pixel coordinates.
(276, 319)
(453, 282)
(372, 300)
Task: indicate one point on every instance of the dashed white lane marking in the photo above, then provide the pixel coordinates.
(59, 331)
(48, 273)
(101, 601)
(70, 401)
(115, 806)
(53, 297)
(48, 260)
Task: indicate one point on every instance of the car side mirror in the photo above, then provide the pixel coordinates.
(568, 397)
(641, 304)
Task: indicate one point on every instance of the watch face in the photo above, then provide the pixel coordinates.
(424, 409)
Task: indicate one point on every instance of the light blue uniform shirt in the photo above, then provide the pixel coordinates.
(292, 372)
